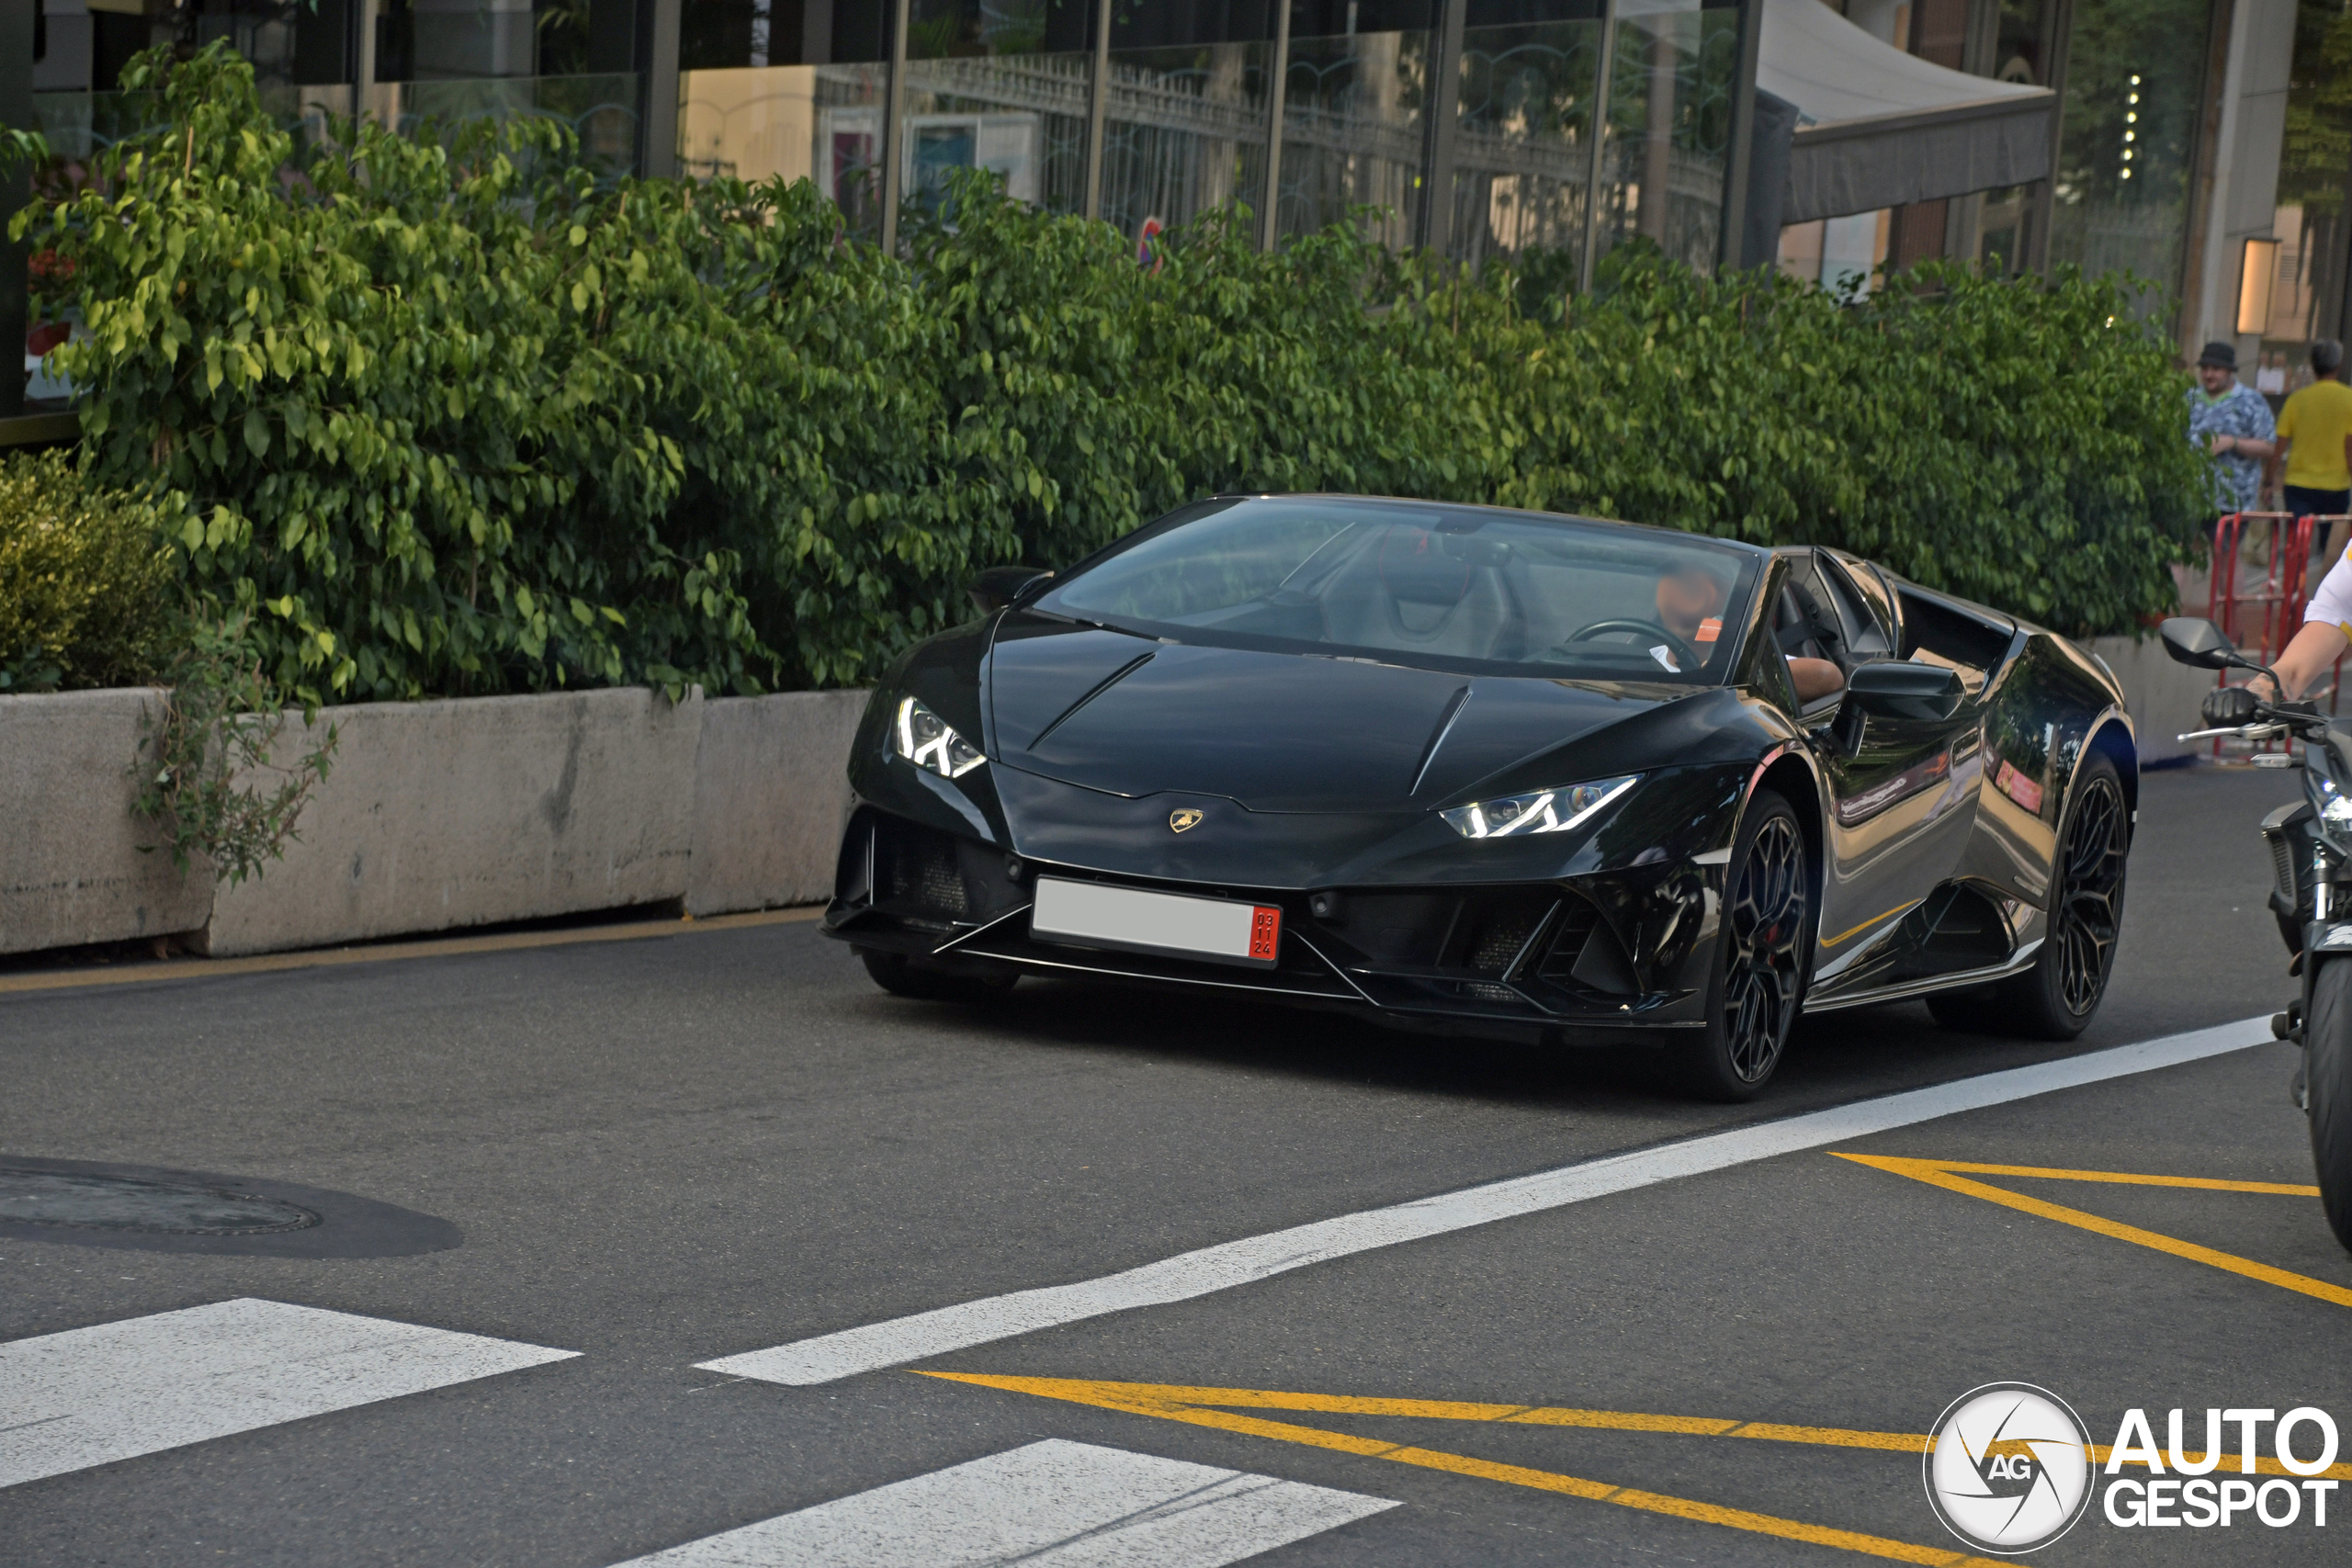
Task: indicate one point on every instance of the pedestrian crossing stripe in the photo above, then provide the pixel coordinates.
(1054, 1503)
(116, 1391)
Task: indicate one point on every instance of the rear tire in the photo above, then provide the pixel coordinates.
(904, 976)
(1763, 944)
(2327, 1044)
(2058, 995)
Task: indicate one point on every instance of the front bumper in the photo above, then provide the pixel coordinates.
(1604, 957)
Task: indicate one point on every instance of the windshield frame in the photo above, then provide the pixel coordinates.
(1047, 599)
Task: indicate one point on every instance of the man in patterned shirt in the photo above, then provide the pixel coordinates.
(2230, 420)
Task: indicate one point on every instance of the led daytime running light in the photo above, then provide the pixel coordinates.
(1539, 811)
(929, 741)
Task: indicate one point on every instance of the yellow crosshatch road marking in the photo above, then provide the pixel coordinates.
(1953, 1175)
(1191, 1405)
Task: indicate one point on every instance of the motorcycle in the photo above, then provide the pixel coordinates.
(2310, 848)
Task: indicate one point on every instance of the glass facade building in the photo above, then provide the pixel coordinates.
(1485, 127)
(1186, 94)
(2204, 146)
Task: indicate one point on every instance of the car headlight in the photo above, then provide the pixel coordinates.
(927, 740)
(1539, 811)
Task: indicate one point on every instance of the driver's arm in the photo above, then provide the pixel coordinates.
(1814, 678)
(2311, 650)
(2327, 626)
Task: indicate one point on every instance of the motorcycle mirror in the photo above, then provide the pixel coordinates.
(1896, 688)
(2192, 641)
(1000, 585)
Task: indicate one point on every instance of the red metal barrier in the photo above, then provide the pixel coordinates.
(2263, 616)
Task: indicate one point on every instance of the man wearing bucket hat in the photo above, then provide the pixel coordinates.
(2229, 418)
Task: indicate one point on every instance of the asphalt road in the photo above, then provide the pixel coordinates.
(660, 1153)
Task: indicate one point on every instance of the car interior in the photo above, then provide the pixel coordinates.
(1503, 595)
(1825, 626)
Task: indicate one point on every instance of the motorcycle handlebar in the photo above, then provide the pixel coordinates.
(2257, 731)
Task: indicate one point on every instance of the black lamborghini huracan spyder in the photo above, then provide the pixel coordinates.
(1497, 772)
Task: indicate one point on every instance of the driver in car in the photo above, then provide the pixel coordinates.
(1691, 605)
(2327, 632)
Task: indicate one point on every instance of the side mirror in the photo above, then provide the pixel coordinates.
(1900, 689)
(2191, 641)
(1000, 585)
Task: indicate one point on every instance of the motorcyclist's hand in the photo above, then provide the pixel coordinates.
(2227, 707)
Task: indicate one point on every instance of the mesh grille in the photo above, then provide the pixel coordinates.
(921, 870)
(1500, 941)
(939, 884)
(2282, 865)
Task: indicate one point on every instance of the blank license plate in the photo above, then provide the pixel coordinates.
(1092, 915)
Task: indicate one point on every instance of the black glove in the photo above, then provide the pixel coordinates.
(2227, 707)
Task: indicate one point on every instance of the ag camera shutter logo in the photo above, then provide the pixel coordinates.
(2010, 1470)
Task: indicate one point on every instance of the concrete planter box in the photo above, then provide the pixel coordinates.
(438, 815)
(770, 792)
(2161, 696)
(70, 867)
(446, 814)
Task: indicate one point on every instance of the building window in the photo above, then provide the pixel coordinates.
(2136, 77)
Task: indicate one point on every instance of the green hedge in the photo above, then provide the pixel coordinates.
(444, 429)
(87, 586)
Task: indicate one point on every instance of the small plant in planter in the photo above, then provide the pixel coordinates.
(208, 773)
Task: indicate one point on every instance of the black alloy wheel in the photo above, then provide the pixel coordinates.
(2058, 995)
(2088, 914)
(1764, 939)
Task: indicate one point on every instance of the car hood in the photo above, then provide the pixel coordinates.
(1274, 732)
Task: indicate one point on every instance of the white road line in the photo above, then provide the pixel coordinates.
(1049, 1504)
(831, 1356)
(118, 1389)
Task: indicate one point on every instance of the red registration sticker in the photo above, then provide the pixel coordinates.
(1711, 629)
(1265, 932)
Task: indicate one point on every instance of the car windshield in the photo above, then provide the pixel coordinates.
(1483, 591)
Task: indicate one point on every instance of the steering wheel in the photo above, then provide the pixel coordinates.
(1691, 657)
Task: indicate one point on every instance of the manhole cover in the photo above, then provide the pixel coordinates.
(85, 1201)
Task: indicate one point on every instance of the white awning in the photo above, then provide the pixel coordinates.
(1880, 128)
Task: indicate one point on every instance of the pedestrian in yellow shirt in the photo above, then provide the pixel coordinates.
(2315, 436)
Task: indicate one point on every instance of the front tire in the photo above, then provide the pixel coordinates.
(2058, 995)
(1762, 946)
(2327, 1044)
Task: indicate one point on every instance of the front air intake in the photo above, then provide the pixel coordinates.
(917, 872)
(1585, 955)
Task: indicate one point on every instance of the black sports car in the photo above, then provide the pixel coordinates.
(1497, 772)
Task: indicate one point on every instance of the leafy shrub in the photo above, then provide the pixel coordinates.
(443, 426)
(87, 586)
(209, 776)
